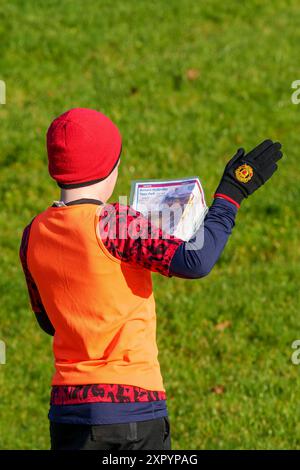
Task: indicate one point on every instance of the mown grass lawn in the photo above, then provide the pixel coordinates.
(187, 82)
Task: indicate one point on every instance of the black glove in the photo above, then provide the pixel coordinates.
(244, 174)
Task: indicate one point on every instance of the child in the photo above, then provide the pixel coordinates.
(89, 281)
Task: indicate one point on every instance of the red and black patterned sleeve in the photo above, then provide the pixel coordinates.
(34, 296)
(130, 237)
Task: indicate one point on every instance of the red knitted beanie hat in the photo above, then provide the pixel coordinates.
(84, 146)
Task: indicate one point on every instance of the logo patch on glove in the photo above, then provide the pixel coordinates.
(244, 173)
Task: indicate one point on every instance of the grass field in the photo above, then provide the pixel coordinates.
(187, 82)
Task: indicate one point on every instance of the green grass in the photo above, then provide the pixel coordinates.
(130, 60)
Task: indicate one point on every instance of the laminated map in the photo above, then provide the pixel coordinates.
(176, 206)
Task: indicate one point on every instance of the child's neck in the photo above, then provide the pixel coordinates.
(69, 195)
(102, 190)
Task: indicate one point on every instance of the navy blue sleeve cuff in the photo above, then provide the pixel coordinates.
(196, 258)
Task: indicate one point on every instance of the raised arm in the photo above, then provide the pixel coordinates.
(130, 237)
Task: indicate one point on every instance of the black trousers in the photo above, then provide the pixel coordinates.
(148, 435)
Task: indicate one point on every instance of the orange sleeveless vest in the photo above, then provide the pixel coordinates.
(102, 309)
